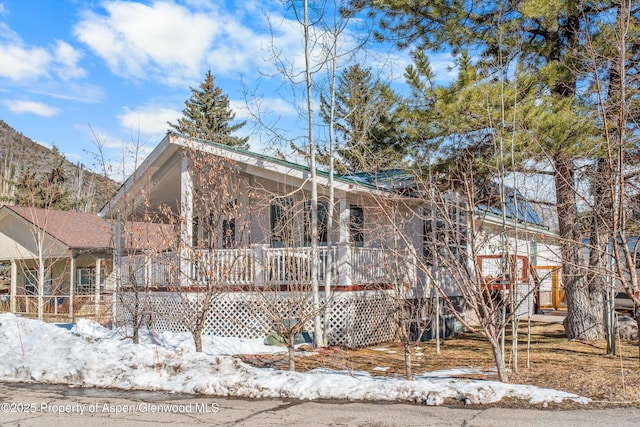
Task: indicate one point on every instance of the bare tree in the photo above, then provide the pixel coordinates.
(322, 50)
(208, 259)
(134, 240)
(454, 237)
(45, 274)
(282, 298)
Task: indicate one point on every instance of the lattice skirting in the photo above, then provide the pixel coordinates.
(354, 319)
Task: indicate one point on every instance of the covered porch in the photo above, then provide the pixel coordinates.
(72, 287)
(244, 219)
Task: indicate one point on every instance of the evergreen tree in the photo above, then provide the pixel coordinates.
(207, 115)
(554, 42)
(365, 122)
(47, 190)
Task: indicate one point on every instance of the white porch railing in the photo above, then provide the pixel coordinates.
(60, 305)
(372, 265)
(223, 266)
(149, 270)
(264, 265)
(293, 265)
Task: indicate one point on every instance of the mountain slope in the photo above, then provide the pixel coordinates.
(22, 159)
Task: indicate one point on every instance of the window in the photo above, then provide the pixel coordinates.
(356, 225)
(31, 281)
(229, 225)
(323, 212)
(281, 212)
(195, 226)
(228, 233)
(216, 233)
(445, 238)
(86, 280)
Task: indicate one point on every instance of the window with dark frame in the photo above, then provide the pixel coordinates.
(228, 233)
(356, 225)
(195, 226)
(323, 212)
(281, 216)
(229, 225)
(216, 234)
(31, 281)
(445, 238)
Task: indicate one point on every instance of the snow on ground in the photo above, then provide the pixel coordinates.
(89, 355)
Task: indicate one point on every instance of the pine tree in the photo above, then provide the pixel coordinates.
(207, 115)
(552, 41)
(364, 113)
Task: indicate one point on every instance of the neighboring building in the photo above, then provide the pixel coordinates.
(262, 241)
(59, 261)
(58, 265)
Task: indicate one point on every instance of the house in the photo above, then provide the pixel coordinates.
(243, 220)
(58, 264)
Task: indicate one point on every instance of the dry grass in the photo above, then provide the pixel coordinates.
(552, 361)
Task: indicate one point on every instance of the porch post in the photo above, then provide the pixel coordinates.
(72, 286)
(412, 272)
(14, 285)
(97, 285)
(259, 265)
(344, 253)
(244, 213)
(343, 210)
(186, 214)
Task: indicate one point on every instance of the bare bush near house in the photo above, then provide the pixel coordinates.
(133, 281)
(208, 258)
(453, 241)
(413, 318)
(42, 273)
(281, 299)
(133, 251)
(396, 235)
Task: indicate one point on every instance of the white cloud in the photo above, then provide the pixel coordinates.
(31, 107)
(162, 40)
(149, 120)
(66, 61)
(174, 43)
(23, 63)
(444, 66)
(237, 48)
(87, 93)
(45, 144)
(73, 157)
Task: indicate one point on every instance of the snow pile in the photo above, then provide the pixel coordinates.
(92, 356)
(178, 341)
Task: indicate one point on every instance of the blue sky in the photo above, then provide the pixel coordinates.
(72, 70)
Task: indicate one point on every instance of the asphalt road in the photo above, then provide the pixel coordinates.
(37, 405)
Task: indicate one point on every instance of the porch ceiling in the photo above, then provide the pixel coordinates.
(166, 185)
